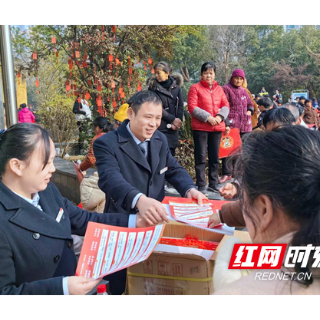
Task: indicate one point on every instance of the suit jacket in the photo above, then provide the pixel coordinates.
(124, 171)
(36, 250)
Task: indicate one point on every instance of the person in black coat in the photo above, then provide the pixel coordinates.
(168, 88)
(36, 222)
(133, 163)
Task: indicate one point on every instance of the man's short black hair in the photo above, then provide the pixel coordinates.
(302, 98)
(141, 97)
(280, 116)
(265, 102)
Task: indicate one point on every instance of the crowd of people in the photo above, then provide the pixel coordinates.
(274, 190)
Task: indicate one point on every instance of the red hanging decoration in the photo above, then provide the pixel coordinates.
(34, 56)
(149, 61)
(139, 86)
(85, 55)
(122, 94)
(77, 54)
(114, 33)
(110, 57)
(102, 33)
(117, 60)
(87, 97)
(19, 77)
(144, 65)
(37, 82)
(114, 102)
(57, 54)
(89, 83)
(37, 91)
(152, 71)
(99, 87)
(53, 39)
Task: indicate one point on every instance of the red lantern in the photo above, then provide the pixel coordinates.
(152, 71)
(120, 89)
(87, 97)
(113, 84)
(122, 94)
(37, 82)
(67, 88)
(57, 54)
(99, 87)
(117, 61)
(77, 54)
(85, 55)
(53, 39)
(74, 87)
(110, 57)
(34, 56)
(114, 33)
(149, 61)
(144, 65)
(89, 83)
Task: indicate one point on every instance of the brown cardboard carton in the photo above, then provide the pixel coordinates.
(174, 273)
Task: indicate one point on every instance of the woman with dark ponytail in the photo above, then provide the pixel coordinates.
(280, 181)
(36, 247)
(100, 127)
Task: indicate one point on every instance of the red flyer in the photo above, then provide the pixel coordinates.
(107, 249)
(230, 143)
(188, 211)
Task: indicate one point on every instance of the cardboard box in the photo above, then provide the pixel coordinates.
(175, 273)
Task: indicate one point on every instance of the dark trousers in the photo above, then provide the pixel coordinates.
(173, 151)
(206, 141)
(227, 163)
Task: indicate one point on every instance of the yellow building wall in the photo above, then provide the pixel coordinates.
(21, 89)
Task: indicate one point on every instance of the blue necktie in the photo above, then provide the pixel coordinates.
(144, 148)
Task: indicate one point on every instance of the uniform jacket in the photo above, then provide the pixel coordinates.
(211, 100)
(240, 103)
(172, 103)
(124, 171)
(25, 115)
(36, 250)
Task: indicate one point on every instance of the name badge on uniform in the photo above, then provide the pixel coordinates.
(163, 170)
(60, 214)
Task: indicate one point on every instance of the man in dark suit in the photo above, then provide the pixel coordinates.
(134, 161)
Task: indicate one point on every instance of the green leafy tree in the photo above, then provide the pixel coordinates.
(89, 50)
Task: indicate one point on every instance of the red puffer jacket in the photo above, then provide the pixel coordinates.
(211, 101)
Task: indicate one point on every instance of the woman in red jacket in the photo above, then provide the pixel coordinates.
(209, 108)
